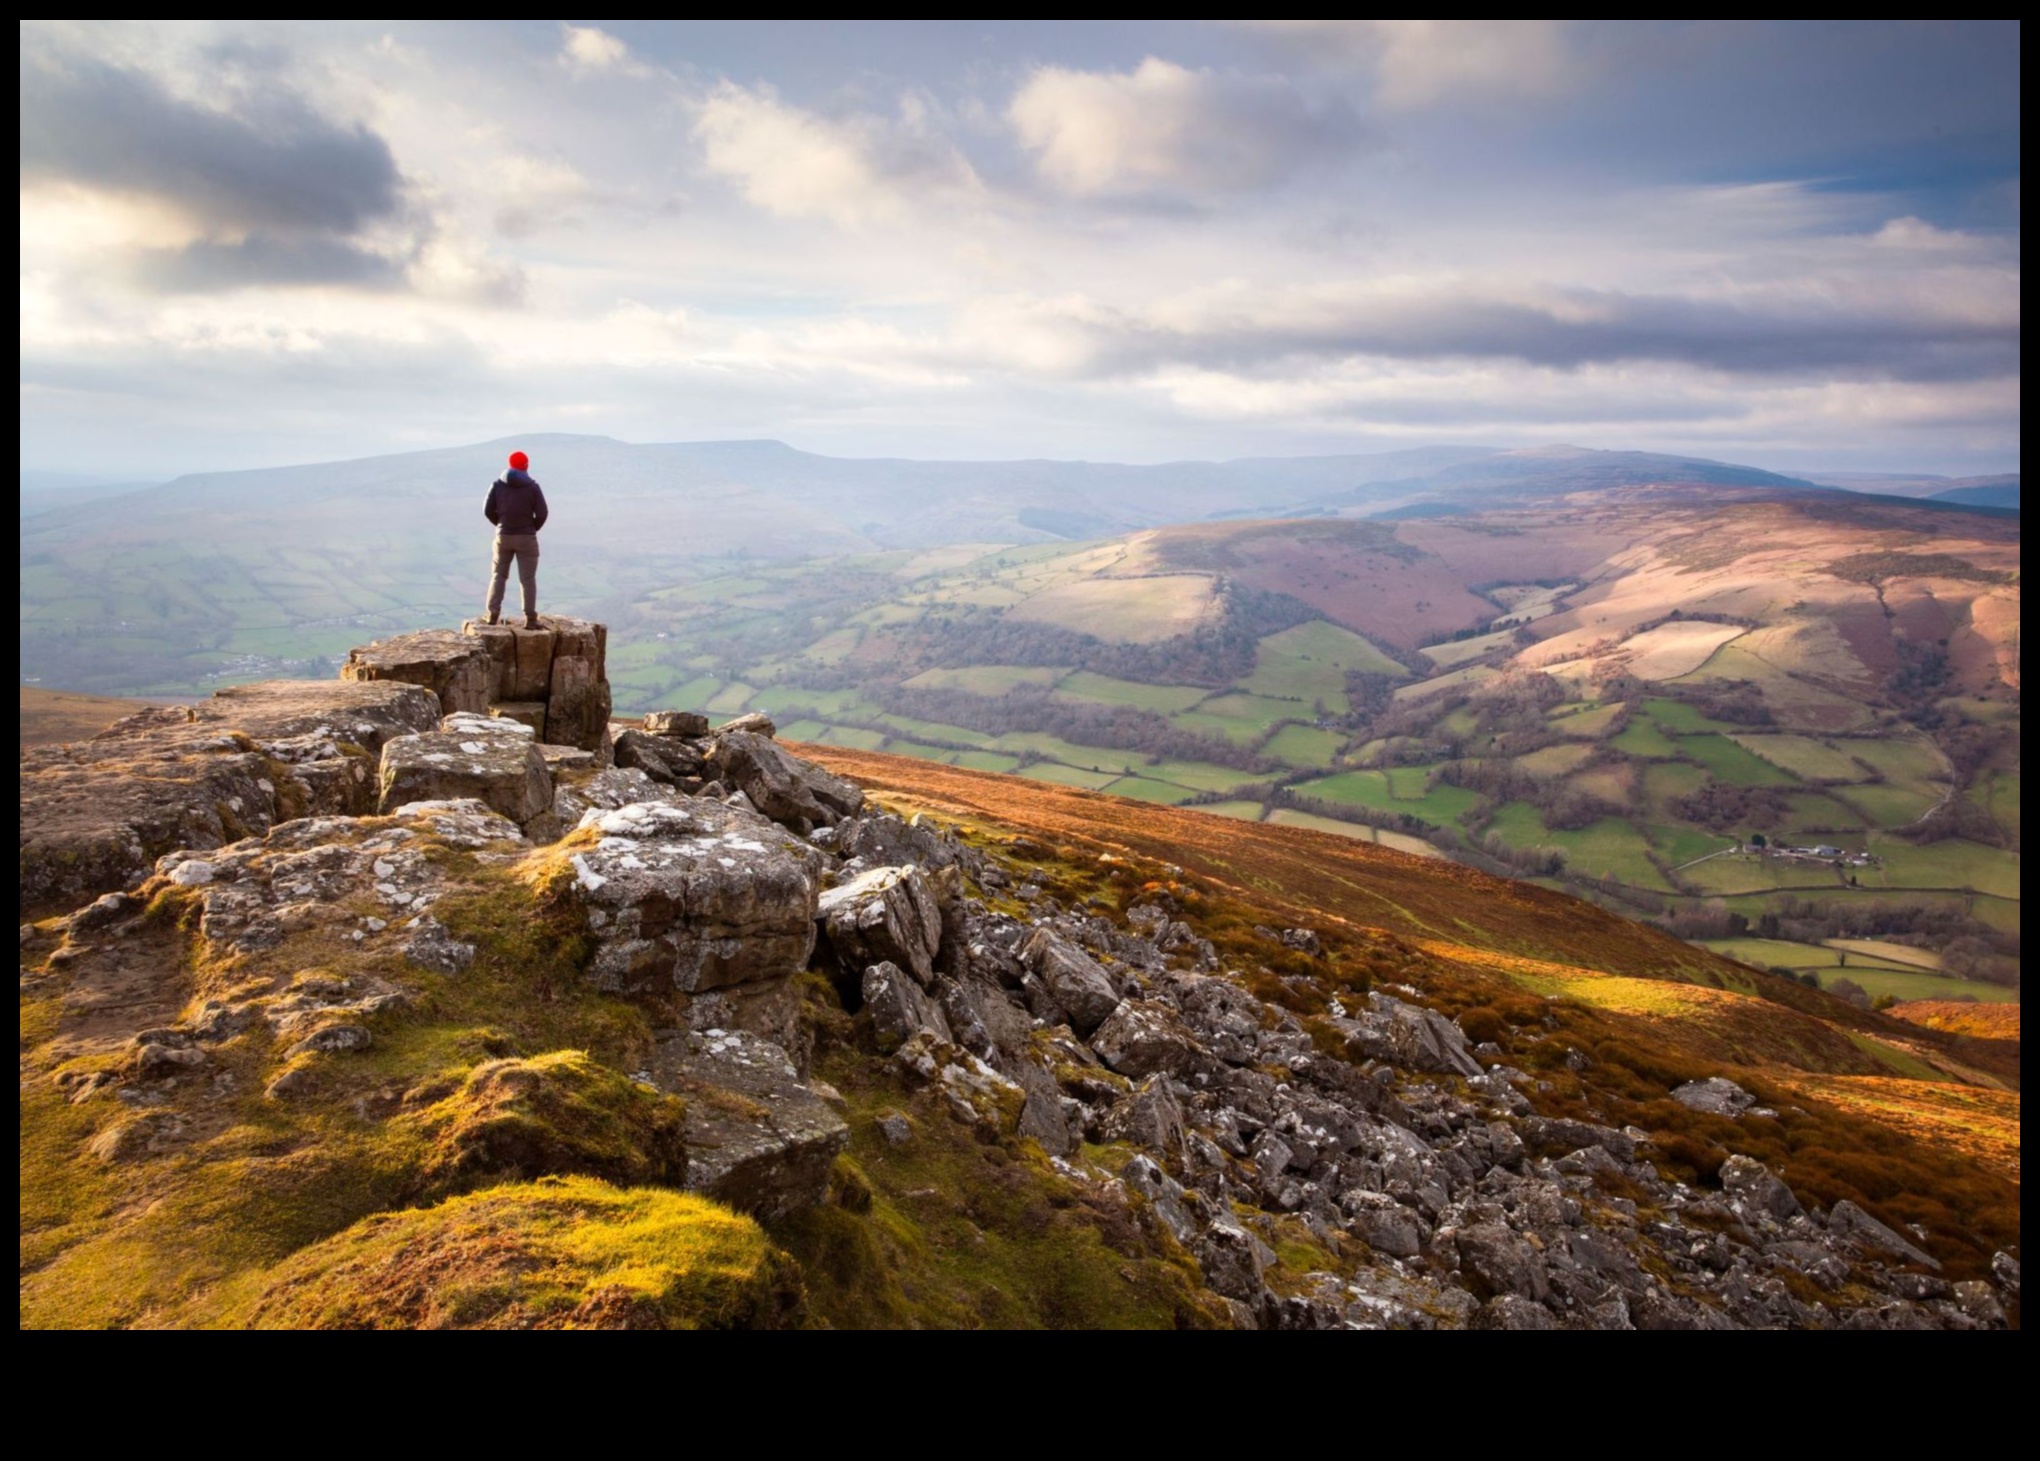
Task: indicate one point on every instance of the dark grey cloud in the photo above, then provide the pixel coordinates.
(211, 268)
(296, 185)
(1567, 329)
(273, 163)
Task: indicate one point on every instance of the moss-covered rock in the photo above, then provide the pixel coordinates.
(561, 1253)
(552, 1114)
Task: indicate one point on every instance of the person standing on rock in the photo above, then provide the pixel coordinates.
(516, 506)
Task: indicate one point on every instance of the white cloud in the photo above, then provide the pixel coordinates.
(588, 50)
(855, 170)
(1164, 128)
(1419, 63)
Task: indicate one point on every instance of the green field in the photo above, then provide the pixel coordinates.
(1162, 699)
(1239, 730)
(1809, 813)
(1583, 720)
(982, 761)
(1304, 745)
(1952, 863)
(1611, 846)
(1885, 805)
(1198, 775)
(1399, 790)
(1641, 737)
(1803, 757)
(1727, 876)
(934, 731)
(1769, 953)
(1146, 789)
(1309, 663)
(1557, 760)
(1898, 761)
(1729, 762)
(985, 679)
(1907, 984)
(1879, 951)
(1069, 775)
(1683, 844)
(1678, 718)
(1401, 842)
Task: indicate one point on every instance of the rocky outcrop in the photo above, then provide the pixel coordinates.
(699, 900)
(797, 793)
(553, 679)
(756, 1137)
(1075, 981)
(454, 667)
(886, 916)
(95, 814)
(477, 757)
(900, 1009)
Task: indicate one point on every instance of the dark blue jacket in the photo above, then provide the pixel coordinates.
(516, 504)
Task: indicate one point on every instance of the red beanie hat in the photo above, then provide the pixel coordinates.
(519, 460)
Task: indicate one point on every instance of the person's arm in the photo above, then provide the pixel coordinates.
(538, 513)
(490, 510)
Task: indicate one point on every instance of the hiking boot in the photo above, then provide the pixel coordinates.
(531, 622)
(494, 619)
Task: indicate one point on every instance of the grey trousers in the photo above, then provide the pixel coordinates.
(524, 548)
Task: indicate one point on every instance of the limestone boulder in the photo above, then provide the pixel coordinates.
(695, 896)
(887, 915)
(454, 667)
(757, 1138)
(1715, 1095)
(97, 813)
(793, 792)
(1407, 1035)
(606, 790)
(1078, 982)
(663, 758)
(683, 725)
(486, 759)
(1753, 1186)
(900, 1009)
(1847, 1220)
(1144, 1037)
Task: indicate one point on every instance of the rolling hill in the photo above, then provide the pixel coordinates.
(1611, 695)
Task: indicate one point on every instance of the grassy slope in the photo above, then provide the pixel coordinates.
(51, 717)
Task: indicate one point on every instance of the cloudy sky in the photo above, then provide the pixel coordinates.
(255, 243)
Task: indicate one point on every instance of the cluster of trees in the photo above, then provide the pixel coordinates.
(1969, 948)
(1564, 807)
(1720, 807)
(1738, 702)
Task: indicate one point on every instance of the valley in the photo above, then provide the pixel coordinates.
(1644, 715)
(1772, 717)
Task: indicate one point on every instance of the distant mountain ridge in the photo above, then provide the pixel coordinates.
(767, 498)
(248, 573)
